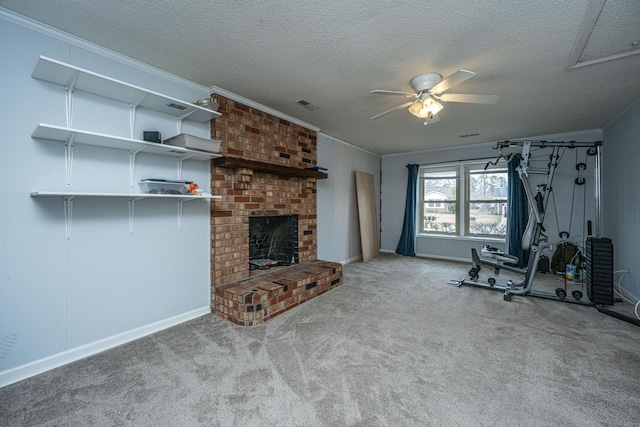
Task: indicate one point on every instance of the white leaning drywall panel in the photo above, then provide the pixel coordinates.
(61, 299)
(367, 214)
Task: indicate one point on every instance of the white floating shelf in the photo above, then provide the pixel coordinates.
(77, 136)
(77, 78)
(69, 196)
(137, 196)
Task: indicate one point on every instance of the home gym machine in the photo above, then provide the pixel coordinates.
(599, 251)
(534, 240)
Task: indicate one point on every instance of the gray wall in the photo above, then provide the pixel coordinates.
(394, 181)
(620, 194)
(338, 225)
(64, 299)
(394, 187)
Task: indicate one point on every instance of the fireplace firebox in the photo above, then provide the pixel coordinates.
(273, 240)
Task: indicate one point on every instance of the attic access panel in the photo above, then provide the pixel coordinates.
(609, 31)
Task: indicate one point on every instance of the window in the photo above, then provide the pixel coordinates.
(439, 196)
(486, 201)
(473, 206)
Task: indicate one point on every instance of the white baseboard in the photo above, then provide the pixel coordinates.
(350, 260)
(388, 251)
(56, 360)
(445, 258)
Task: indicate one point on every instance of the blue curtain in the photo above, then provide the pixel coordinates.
(518, 211)
(406, 245)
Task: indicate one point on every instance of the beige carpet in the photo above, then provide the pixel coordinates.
(393, 346)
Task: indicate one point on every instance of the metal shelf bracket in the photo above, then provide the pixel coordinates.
(68, 215)
(68, 96)
(68, 157)
(132, 164)
(182, 159)
(132, 211)
(179, 120)
(132, 114)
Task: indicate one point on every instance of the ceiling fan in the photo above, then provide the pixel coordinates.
(429, 89)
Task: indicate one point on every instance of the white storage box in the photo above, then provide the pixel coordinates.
(163, 186)
(193, 143)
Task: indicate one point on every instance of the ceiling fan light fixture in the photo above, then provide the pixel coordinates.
(429, 88)
(425, 108)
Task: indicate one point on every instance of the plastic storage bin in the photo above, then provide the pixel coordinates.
(193, 143)
(164, 186)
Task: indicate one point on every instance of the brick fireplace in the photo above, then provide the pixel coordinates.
(262, 173)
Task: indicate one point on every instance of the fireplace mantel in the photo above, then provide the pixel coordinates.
(237, 162)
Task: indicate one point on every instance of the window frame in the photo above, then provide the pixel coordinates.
(486, 169)
(423, 201)
(462, 200)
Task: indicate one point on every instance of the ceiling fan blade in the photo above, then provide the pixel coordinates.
(391, 92)
(405, 105)
(470, 98)
(454, 79)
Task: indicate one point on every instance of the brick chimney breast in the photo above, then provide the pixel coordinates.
(252, 134)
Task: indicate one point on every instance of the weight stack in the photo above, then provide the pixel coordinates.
(599, 270)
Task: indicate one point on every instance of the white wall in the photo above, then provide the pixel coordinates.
(62, 299)
(620, 194)
(394, 182)
(338, 225)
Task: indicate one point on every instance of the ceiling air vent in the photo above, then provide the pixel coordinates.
(307, 105)
(467, 135)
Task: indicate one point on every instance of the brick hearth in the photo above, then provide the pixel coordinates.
(255, 300)
(248, 189)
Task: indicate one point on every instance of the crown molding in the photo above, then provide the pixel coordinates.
(76, 41)
(253, 104)
(442, 148)
(348, 144)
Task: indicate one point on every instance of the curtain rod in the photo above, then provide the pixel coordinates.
(457, 161)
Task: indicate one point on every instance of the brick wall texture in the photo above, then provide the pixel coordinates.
(255, 135)
(255, 300)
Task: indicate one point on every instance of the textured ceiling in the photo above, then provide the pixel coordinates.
(332, 53)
